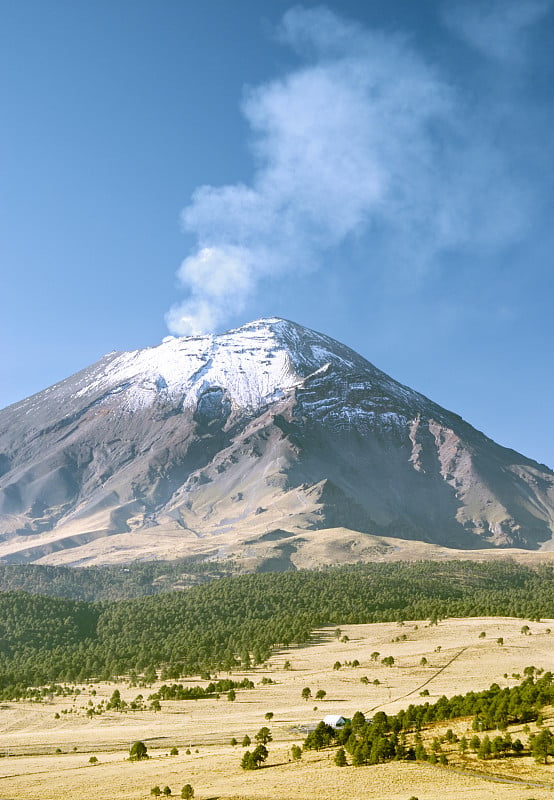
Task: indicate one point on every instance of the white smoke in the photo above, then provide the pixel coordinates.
(364, 136)
(496, 27)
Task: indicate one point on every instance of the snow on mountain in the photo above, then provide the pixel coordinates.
(248, 361)
(256, 364)
(215, 441)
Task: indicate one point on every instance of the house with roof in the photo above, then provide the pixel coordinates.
(335, 720)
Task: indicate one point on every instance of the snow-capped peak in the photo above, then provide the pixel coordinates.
(255, 364)
(250, 362)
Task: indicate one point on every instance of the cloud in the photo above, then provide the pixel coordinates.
(497, 28)
(364, 139)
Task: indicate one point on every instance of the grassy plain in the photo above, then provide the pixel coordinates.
(48, 758)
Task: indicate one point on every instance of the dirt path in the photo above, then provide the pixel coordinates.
(494, 778)
(418, 688)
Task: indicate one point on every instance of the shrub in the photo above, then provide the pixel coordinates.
(138, 751)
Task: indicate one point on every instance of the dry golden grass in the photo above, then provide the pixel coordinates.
(459, 660)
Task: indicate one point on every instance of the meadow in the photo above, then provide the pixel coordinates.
(46, 747)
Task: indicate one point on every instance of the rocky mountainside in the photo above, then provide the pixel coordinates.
(253, 443)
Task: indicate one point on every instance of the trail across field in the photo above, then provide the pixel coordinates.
(421, 685)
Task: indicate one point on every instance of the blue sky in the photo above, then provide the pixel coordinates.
(379, 171)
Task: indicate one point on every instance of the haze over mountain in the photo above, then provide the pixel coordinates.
(271, 443)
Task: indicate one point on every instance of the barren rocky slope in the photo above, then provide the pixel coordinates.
(254, 439)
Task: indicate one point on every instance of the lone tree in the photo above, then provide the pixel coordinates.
(246, 741)
(187, 792)
(340, 758)
(306, 693)
(255, 759)
(138, 751)
(264, 735)
(296, 752)
(320, 694)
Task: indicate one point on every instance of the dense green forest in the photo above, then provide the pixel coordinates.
(111, 582)
(238, 620)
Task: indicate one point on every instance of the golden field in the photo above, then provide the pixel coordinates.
(47, 757)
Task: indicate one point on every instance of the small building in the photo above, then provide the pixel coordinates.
(335, 720)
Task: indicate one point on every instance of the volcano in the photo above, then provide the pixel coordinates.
(270, 442)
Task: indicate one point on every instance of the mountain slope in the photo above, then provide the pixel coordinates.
(252, 439)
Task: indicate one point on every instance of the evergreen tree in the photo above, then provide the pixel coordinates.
(485, 748)
(138, 751)
(264, 735)
(542, 745)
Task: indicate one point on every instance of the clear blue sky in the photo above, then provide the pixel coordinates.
(379, 171)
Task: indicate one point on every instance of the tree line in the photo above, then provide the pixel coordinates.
(177, 691)
(237, 621)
